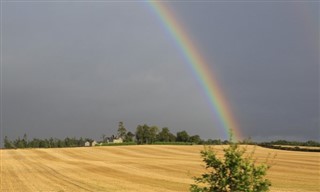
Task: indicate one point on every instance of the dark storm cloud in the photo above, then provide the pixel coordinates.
(77, 69)
(267, 58)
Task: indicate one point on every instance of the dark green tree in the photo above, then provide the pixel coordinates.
(7, 143)
(129, 137)
(172, 137)
(51, 143)
(140, 134)
(35, 143)
(43, 143)
(153, 131)
(67, 142)
(19, 143)
(182, 136)
(104, 138)
(122, 131)
(60, 143)
(25, 140)
(195, 139)
(81, 142)
(164, 135)
(146, 134)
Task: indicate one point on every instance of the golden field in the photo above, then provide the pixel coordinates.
(139, 168)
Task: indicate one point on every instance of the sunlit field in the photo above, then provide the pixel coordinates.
(139, 168)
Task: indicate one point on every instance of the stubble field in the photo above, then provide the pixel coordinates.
(139, 168)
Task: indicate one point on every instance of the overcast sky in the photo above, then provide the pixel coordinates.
(78, 68)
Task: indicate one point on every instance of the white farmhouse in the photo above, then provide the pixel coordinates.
(118, 140)
(93, 143)
(87, 144)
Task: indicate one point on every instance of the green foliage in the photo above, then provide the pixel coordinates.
(165, 135)
(19, 143)
(129, 137)
(195, 139)
(293, 143)
(7, 143)
(122, 131)
(233, 173)
(146, 134)
(213, 142)
(182, 136)
(289, 148)
(141, 134)
(43, 143)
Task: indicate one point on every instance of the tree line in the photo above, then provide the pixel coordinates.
(44, 143)
(144, 134)
(293, 143)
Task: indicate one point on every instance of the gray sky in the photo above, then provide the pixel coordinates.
(78, 68)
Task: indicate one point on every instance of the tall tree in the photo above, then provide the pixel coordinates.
(195, 139)
(19, 143)
(182, 136)
(25, 140)
(153, 131)
(172, 137)
(103, 137)
(164, 135)
(122, 131)
(146, 134)
(129, 137)
(140, 134)
(7, 143)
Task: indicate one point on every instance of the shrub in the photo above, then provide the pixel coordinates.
(233, 173)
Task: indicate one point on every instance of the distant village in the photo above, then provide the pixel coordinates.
(108, 140)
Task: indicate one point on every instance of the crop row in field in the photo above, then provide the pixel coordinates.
(138, 168)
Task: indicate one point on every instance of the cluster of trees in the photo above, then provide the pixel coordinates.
(44, 143)
(145, 134)
(290, 148)
(127, 136)
(151, 134)
(293, 143)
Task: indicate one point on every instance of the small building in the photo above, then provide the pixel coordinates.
(87, 144)
(118, 140)
(93, 143)
(90, 144)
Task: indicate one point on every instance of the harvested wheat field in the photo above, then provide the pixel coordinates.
(138, 168)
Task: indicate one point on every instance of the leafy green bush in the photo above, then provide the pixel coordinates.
(233, 173)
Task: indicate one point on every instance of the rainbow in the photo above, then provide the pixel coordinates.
(199, 66)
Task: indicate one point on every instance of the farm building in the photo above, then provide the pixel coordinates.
(118, 140)
(93, 143)
(113, 139)
(88, 143)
